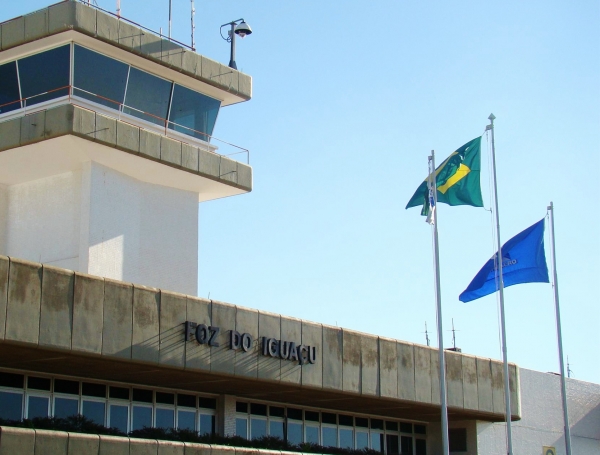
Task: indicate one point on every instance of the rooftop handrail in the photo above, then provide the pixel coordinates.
(119, 108)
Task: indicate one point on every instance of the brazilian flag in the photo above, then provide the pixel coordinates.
(457, 179)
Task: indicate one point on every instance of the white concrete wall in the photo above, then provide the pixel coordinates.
(43, 218)
(3, 217)
(142, 233)
(542, 418)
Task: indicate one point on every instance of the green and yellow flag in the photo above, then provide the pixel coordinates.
(457, 179)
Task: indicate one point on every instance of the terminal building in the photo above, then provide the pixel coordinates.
(106, 151)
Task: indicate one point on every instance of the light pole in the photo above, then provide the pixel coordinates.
(238, 27)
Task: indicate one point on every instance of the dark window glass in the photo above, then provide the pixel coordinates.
(362, 422)
(11, 405)
(377, 424)
(295, 414)
(165, 398)
(311, 416)
(99, 78)
(165, 418)
(406, 445)
(420, 429)
(12, 380)
(143, 395)
(119, 415)
(258, 409)
(346, 420)
(193, 113)
(65, 386)
(45, 76)
(392, 446)
(37, 407)
(9, 88)
(142, 417)
(186, 400)
(93, 410)
(147, 96)
(457, 439)
(421, 447)
(65, 407)
(405, 427)
(120, 393)
(241, 407)
(294, 433)
(186, 420)
(211, 403)
(91, 389)
(38, 383)
(276, 411)
(329, 437)
(391, 426)
(327, 417)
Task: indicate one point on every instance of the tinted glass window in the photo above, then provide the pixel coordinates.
(165, 398)
(142, 417)
(11, 405)
(186, 420)
(327, 417)
(392, 443)
(276, 411)
(420, 429)
(421, 447)
(94, 410)
(119, 415)
(346, 420)
(329, 437)
(295, 414)
(121, 393)
(312, 434)
(377, 424)
(406, 445)
(362, 422)
(346, 438)
(391, 426)
(193, 113)
(9, 88)
(258, 428)
(165, 418)
(258, 409)
(143, 395)
(147, 96)
(65, 407)
(405, 427)
(186, 400)
(362, 440)
(37, 407)
(98, 78)
(211, 403)
(294, 433)
(241, 428)
(276, 429)
(457, 439)
(312, 416)
(45, 72)
(241, 407)
(377, 442)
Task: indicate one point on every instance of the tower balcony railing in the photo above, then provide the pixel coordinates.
(122, 112)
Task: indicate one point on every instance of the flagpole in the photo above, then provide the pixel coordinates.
(559, 335)
(433, 218)
(501, 289)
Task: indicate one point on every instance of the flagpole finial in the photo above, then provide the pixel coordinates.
(492, 117)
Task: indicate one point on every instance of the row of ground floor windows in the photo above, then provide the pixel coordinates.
(255, 420)
(124, 408)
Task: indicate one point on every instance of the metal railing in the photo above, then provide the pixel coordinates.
(161, 125)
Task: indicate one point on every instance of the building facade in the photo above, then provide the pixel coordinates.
(106, 149)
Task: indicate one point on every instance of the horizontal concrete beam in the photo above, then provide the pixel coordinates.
(120, 321)
(73, 120)
(72, 15)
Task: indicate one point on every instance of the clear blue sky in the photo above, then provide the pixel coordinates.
(349, 99)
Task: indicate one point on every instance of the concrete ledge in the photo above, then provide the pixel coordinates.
(72, 15)
(58, 320)
(73, 120)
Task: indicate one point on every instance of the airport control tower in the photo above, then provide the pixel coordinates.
(106, 146)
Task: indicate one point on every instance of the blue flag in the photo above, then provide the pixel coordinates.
(523, 261)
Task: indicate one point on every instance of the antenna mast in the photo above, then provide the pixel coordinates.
(426, 334)
(193, 26)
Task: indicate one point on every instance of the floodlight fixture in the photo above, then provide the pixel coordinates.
(238, 27)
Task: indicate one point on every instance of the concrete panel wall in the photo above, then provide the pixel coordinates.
(65, 310)
(4, 264)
